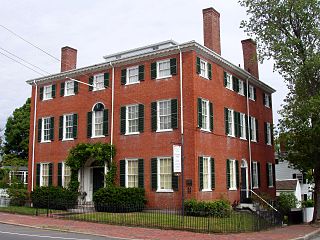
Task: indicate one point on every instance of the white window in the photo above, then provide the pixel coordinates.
(255, 176)
(132, 75)
(44, 174)
(206, 174)
(163, 69)
(46, 128)
(241, 87)
(131, 173)
(233, 175)
(164, 115)
(69, 88)
(97, 123)
(66, 175)
(270, 175)
(253, 129)
(47, 92)
(164, 174)
(98, 82)
(67, 126)
(242, 123)
(205, 115)
(230, 122)
(132, 118)
(204, 69)
(251, 93)
(229, 83)
(268, 133)
(267, 98)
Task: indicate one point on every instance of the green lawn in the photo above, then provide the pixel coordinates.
(19, 210)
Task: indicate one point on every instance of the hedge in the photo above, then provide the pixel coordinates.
(18, 197)
(217, 208)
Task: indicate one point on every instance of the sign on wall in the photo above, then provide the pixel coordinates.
(176, 159)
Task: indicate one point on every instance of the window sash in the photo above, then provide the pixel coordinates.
(203, 68)
(268, 133)
(131, 173)
(164, 115)
(98, 82)
(266, 100)
(270, 174)
(133, 75)
(66, 175)
(229, 81)
(205, 115)
(163, 69)
(98, 123)
(241, 87)
(230, 122)
(243, 126)
(44, 174)
(253, 130)
(164, 174)
(69, 88)
(68, 126)
(233, 181)
(132, 119)
(251, 92)
(47, 92)
(255, 175)
(46, 125)
(206, 173)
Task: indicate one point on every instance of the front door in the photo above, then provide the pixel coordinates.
(98, 178)
(244, 187)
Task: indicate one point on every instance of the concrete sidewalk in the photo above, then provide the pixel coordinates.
(289, 232)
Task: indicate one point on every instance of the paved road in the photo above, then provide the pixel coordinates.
(11, 232)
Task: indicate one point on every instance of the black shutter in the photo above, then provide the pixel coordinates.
(247, 127)
(60, 174)
(259, 175)
(267, 171)
(198, 66)
(226, 120)
(199, 112)
(174, 113)
(76, 87)
(213, 176)
(264, 99)
(53, 89)
(91, 83)
(175, 179)
(123, 76)
(75, 126)
(270, 101)
(41, 93)
(245, 88)
(153, 70)
(38, 174)
(265, 132)
(209, 71)
(123, 120)
(39, 129)
(254, 93)
(141, 118)
(211, 115)
(154, 176)
(51, 128)
(89, 124)
(140, 173)
(257, 130)
(141, 73)
(173, 66)
(236, 124)
(60, 127)
(50, 173)
(154, 116)
(237, 173)
(225, 79)
(122, 173)
(106, 79)
(62, 89)
(228, 173)
(105, 122)
(200, 166)
(271, 126)
(235, 83)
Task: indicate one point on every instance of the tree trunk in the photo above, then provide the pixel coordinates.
(316, 213)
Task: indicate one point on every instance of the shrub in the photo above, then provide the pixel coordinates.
(218, 208)
(308, 203)
(119, 199)
(285, 202)
(18, 197)
(54, 197)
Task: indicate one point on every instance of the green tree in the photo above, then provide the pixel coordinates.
(289, 32)
(16, 135)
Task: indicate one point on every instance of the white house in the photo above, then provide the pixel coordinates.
(289, 186)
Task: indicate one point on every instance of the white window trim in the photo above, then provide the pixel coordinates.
(127, 120)
(208, 116)
(266, 100)
(253, 125)
(233, 175)
(65, 89)
(255, 166)
(41, 175)
(232, 123)
(94, 126)
(206, 70)
(268, 134)
(94, 82)
(128, 76)
(231, 82)
(63, 175)
(158, 69)
(209, 189)
(126, 170)
(251, 92)
(244, 130)
(270, 170)
(42, 130)
(241, 83)
(158, 117)
(64, 129)
(44, 98)
(158, 177)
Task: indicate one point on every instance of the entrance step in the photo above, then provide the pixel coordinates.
(83, 208)
(249, 206)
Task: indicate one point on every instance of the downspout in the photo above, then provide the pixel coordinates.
(34, 134)
(249, 132)
(112, 107)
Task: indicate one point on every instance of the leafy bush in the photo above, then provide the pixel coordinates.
(119, 199)
(308, 203)
(54, 197)
(218, 208)
(285, 202)
(18, 197)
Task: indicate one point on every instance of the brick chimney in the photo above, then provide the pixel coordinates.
(68, 58)
(211, 29)
(250, 58)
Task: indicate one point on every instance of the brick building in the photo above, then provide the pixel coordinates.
(146, 100)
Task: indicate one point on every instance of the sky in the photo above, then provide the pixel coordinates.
(100, 27)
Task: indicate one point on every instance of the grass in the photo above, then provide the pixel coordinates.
(28, 210)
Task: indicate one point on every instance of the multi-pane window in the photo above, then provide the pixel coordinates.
(47, 92)
(132, 173)
(203, 68)
(66, 175)
(241, 87)
(242, 124)
(44, 177)
(132, 117)
(230, 122)
(268, 133)
(267, 100)
(253, 129)
(270, 175)
(133, 75)
(46, 126)
(255, 176)
(228, 81)
(206, 173)
(163, 68)
(251, 92)
(69, 88)
(164, 115)
(98, 123)
(205, 115)
(68, 126)
(98, 82)
(233, 175)
(164, 174)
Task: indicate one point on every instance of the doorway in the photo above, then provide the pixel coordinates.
(244, 191)
(97, 179)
